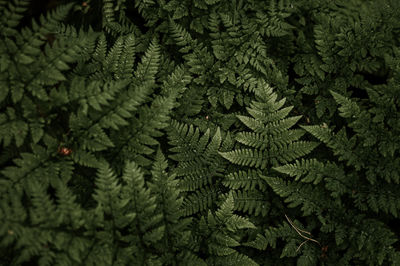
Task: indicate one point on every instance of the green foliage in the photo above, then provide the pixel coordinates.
(221, 231)
(199, 166)
(270, 137)
(148, 133)
(131, 216)
(30, 67)
(270, 142)
(353, 183)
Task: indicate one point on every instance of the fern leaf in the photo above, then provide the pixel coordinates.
(246, 157)
(300, 168)
(246, 180)
(252, 202)
(348, 108)
(322, 133)
(147, 68)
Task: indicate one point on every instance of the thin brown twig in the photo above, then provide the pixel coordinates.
(298, 230)
(298, 248)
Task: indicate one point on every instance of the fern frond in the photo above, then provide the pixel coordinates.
(12, 128)
(300, 168)
(222, 229)
(147, 68)
(251, 201)
(246, 157)
(12, 15)
(199, 201)
(278, 127)
(291, 151)
(256, 125)
(322, 133)
(126, 62)
(298, 194)
(181, 36)
(113, 56)
(347, 108)
(246, 180)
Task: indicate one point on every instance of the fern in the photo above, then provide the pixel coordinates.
(38, 74)
(149, 121)
(147, 69)
(271, 138)
(247, 180)
(221, 230)
(86, 118)
(12, 15)
(199, 166)
(271, 141)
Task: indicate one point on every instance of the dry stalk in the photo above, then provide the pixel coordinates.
(298, 230)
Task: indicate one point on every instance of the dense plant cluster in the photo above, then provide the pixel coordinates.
(200, 132)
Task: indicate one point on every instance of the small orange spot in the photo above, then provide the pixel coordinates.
(84, 4)
(324, 249)
(64, 151)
